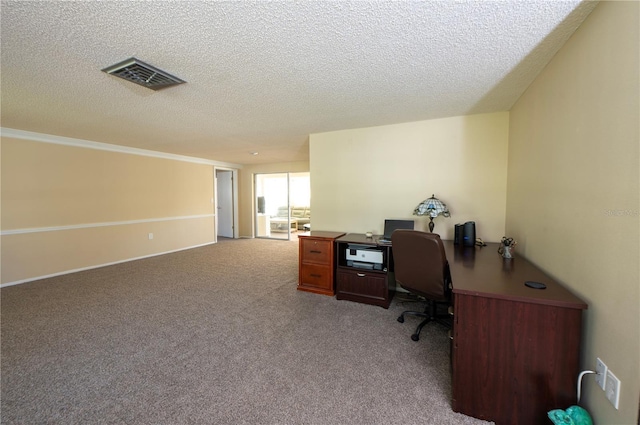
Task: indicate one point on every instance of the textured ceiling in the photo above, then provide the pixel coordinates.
(261, 76)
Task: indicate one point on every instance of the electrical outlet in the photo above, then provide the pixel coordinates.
(612, 389)
(150, 236)
(601, 371)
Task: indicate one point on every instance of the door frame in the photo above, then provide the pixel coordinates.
(288, 176)
(234, 192)
(285, 175)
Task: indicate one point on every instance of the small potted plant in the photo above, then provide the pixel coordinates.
(506, 247)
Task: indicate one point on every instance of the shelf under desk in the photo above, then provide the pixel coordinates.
(364, 285)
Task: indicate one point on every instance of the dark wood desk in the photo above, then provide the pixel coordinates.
(515, 350)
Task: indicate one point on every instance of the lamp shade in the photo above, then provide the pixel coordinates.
(432, 207)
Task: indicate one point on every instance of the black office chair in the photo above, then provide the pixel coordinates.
(421, 267)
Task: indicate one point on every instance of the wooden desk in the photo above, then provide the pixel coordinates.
(515, 350)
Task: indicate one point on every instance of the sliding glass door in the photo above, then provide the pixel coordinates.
(281, 204)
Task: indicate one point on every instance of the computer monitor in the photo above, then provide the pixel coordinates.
(391, 225)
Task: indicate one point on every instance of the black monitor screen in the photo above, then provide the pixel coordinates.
(391, 225)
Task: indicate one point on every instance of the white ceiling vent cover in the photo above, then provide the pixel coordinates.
(138, 72)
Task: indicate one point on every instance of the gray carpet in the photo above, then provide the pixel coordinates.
(214, 335)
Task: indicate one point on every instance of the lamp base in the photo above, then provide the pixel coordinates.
(431, 225)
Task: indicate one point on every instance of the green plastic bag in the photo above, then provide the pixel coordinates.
(575, 415)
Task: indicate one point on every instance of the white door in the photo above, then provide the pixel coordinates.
(224, 190)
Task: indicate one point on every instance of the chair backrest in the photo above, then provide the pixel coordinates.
(421, 264)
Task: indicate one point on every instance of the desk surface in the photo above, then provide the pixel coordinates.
(321, 234)
(482, 271)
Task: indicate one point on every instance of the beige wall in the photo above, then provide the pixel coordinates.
(573, 195)
(246, 201)
(360, 177)
(66, 207)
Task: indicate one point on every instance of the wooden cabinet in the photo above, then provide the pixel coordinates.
(363, 285)
(515, 350)
(316, 262)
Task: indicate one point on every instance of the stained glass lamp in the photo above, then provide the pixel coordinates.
(432, 207)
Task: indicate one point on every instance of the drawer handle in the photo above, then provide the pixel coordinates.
(315, 275)
(361, 275)
(315, 251)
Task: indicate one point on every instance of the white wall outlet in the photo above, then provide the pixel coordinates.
(612, 389)
(150, 236)
(601, 373)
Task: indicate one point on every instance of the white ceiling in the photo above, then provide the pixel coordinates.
(261, 76)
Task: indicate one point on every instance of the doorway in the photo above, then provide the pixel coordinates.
(224, 204)
(282, 205)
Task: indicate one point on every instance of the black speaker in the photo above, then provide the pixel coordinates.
(469, 235)
(458, 234)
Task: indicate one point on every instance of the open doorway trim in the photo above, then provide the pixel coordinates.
(234, 189)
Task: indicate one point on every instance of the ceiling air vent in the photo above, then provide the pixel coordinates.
(138, 72)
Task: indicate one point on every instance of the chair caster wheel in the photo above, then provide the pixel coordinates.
(401, 319)
(415, 337)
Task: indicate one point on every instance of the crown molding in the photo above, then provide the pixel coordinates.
(88, 144)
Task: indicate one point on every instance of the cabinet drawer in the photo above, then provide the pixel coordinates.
(362, 283)
(316, 276)
(316, 251)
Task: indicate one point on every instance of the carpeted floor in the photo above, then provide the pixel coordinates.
(214, 335)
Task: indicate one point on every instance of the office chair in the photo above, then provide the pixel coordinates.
(421, 267)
